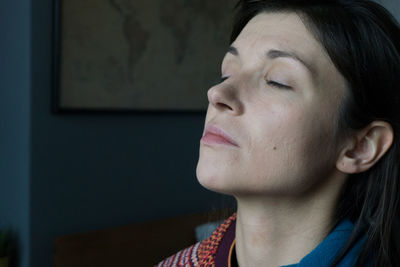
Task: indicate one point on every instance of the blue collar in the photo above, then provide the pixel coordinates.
(327, 251)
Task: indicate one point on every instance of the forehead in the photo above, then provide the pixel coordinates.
(281, 31)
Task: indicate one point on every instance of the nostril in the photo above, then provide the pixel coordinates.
(224, 106)
(224, 97)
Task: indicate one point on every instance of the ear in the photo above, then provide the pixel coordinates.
(365, 148)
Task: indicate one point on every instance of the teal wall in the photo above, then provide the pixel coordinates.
(92, 171)
(392, 5)
(15, 120)
(62, 174)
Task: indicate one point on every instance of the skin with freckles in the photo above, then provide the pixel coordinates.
(279, 100)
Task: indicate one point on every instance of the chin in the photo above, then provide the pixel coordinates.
(211, 179)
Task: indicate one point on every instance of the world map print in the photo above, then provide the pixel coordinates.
(145, 55)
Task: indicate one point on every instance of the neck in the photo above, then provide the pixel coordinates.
(276, 232)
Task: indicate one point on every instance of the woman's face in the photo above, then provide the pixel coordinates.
(278, 101)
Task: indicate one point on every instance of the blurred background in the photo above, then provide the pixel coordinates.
(70, 173)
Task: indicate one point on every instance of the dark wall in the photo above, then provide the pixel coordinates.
(91, 171)
(393, 6)
(15, 120)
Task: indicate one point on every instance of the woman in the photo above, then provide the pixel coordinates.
(303, 131)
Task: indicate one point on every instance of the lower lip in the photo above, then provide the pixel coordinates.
(212, 139)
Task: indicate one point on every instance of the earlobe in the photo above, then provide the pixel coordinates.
(365, 148)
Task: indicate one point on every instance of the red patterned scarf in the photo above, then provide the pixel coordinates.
(200, 254)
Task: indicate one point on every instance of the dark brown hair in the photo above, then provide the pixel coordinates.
(363, 41)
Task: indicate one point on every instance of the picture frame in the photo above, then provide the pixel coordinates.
(145, 55)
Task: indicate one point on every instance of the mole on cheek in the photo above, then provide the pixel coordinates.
(274, 147)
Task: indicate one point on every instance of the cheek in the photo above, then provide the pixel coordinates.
(288, 150)
(277, 129)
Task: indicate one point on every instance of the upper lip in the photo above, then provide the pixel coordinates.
(216, 130)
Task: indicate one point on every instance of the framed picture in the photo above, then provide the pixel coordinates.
(144, 55)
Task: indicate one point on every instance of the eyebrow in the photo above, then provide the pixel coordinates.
(274, 53)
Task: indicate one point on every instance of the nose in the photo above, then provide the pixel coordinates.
(224, 97)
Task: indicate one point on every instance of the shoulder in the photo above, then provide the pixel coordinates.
(202, 253)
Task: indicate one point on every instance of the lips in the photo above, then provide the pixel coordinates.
(216, 135)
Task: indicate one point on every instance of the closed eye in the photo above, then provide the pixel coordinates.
(223, 79)
(278, 85)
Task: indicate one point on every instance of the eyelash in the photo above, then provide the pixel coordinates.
(269, 82)
(278, 85)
